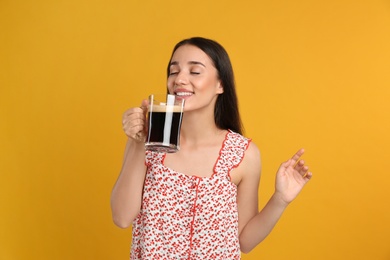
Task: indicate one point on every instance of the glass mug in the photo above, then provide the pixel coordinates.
(164, 117)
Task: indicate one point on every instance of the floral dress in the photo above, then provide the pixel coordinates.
(189, 217)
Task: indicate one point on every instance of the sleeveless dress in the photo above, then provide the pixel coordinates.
(189, 217)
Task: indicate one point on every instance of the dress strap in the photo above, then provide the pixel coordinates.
(232, 153)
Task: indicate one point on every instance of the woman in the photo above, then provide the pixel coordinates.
(201, 202)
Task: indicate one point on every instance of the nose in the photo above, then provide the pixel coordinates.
(181, 79)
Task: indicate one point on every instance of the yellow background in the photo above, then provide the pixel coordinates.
(313, 74)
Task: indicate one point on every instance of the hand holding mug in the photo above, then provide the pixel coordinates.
(134, 122)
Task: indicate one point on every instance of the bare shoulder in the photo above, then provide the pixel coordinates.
(252, 154)
(252, 162)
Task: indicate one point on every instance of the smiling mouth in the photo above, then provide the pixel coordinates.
(184, 94)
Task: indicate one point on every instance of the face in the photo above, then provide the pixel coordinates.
(193, 77)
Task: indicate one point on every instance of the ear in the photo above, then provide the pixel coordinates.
(219, 88)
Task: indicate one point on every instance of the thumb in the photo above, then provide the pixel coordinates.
(144, 106)
(287, 163)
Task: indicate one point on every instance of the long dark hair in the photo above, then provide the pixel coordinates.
(226, 112)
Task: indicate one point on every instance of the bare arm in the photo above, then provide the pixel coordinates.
(290, 179)
(126, 195)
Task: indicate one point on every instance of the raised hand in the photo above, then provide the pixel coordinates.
(291, 177)
(134, 122)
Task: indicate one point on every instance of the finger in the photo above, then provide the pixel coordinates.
(144, 105)
(132, 113)
(287, 163)
(307, 175)
(132, 110)
(298, 155)
(132, 123)
(303, 170)
(134, 132)
(298, 165)
(129, 123)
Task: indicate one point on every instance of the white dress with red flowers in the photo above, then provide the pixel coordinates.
(189, 217)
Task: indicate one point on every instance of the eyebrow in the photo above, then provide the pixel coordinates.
(190, 62)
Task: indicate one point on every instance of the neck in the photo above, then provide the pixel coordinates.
(198, 128)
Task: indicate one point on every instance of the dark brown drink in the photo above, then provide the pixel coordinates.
(164, 124)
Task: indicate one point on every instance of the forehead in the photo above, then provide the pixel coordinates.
(190, 53)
